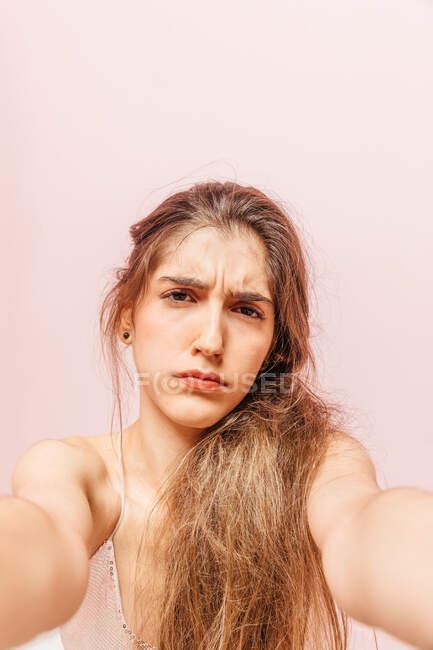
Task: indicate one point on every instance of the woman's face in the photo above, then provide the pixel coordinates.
(179, 327)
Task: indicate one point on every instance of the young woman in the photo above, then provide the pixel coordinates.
(236, 512)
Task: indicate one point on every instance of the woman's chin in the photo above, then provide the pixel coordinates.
(195, 416)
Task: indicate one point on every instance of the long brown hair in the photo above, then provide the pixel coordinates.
(242, 571)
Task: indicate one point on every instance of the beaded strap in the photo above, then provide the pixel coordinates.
(140, 643)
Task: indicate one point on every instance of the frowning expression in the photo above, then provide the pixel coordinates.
(208, 307)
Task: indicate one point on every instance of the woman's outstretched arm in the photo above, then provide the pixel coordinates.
(380, 564)
(46, 536)
(37, 572)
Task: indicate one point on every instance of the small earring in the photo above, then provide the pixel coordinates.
(126, 335)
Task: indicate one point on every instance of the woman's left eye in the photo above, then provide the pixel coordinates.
(254, 311)
(171, 295)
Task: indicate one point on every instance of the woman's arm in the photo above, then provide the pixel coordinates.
(46, 539)
(379, 564)
(36, 570)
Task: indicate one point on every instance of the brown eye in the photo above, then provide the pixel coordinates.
(255, 311)
(177, 293)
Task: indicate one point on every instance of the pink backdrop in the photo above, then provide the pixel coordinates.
(108, 107)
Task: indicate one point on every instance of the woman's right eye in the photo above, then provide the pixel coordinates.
(177, 293)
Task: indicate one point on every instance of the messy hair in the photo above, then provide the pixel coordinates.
(238, 567)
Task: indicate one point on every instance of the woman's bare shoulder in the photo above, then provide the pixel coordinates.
(90, 451)
(96, 444)
(102, 494)
(101, 446)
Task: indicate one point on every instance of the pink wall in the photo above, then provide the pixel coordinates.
(108, 107)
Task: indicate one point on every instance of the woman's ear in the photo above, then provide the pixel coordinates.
(126, 323)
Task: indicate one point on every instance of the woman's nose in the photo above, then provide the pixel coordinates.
(211, 339)
(210, 351)
(210, 345)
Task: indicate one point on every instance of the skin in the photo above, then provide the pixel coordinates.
(204, 329)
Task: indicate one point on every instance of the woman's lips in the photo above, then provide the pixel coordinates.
(201, 384)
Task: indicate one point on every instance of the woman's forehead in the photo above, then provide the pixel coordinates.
(206, 254)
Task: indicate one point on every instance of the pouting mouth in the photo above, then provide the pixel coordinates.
(212, 376)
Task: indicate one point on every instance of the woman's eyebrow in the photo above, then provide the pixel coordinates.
(184, 281)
